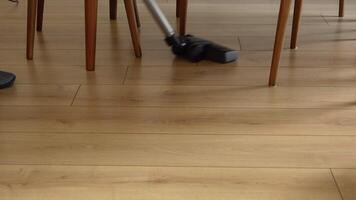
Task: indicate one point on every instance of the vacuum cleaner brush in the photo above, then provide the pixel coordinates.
(196, 49)
(192, 48)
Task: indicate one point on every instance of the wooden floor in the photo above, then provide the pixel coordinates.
(160, 128)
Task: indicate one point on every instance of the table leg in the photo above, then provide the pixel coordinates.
(279, 40)
(91, 11)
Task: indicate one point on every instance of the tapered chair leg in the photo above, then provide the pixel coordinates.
(31, 23)
(296, 22)
(131, 17)
(40, 10)
(138, 21)
(91, 11)
(113, 9)
(341, 8)
(278, 45)
(177, 8)
(183, 7)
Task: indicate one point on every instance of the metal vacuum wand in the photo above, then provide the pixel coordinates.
(160, 17)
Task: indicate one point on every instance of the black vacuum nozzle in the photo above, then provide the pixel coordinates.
(197, 49)
(6, 79)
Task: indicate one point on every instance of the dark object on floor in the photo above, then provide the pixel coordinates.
(6, 79)
(197, 49)
(190, 47)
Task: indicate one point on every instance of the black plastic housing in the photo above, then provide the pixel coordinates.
(6, 79)
(197, 49)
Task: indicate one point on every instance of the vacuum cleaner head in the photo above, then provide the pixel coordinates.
(197, 49)
(6, 79)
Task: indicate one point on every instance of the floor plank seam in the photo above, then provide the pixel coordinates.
(75, 95)
(239, 42)
(337, 184)
(172, 166)
(326, 21)
(125, 76)
(207, 107)
(187, 107)
(163, 133)
(125, 84)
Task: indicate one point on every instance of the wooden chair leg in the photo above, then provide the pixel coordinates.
(278, 45)
(138, 21)
(183, 7)
(31, 23)
(40, 10)
(113, 9)
(177, 8)
(341, 8)
(91, 11)
(296, 22)
(131, 17)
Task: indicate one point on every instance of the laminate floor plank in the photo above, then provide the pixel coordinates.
(165, 58)
(184, 75)
(146, 183)
(346, 181)
(38, 95)
(260, 121)
(46, 42)
(207, 29)
(33, 75)
(161, 127)
(178, 150)
(240, 76)
(216, 96)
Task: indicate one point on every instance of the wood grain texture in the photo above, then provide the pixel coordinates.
(346, 180)
(112, 42)
(239, 76)
(213, 121)
(184, 75)
(40, 95)
(217, 96)
(178, 150)
(201, 29)
(165, 58)
(142, 183)
(336, 43)
(71, 75)
(163, 114)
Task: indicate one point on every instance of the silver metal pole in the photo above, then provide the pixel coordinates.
(160, 17)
